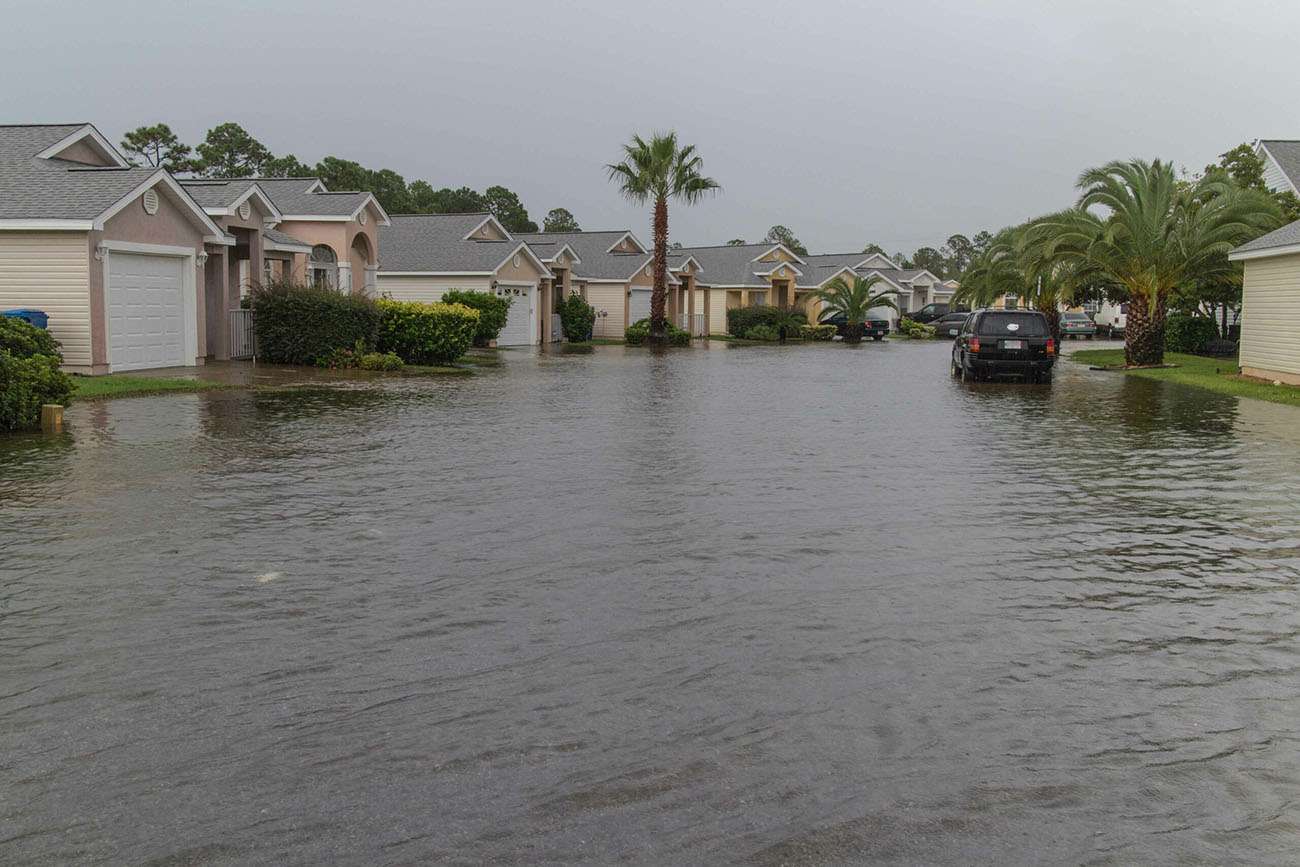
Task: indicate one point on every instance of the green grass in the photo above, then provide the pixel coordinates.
(606, 341)
(126, 385)
(433, 370)
(1215, 374)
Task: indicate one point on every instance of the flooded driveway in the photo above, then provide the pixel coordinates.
(753, 605)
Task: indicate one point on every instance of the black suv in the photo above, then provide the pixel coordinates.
(996, 343)
(931, 312)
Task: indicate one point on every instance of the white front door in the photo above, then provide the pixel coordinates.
(521, 321)
(638, 305)
(146, 311)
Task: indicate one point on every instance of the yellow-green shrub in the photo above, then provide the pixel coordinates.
(426, 333)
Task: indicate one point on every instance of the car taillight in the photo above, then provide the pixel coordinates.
(974, 344)
(1051, 346)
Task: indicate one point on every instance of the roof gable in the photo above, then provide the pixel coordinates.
(1281, 164)
(84, 145)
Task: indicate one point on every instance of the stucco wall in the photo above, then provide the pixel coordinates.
(50, 271)
(1270, 316)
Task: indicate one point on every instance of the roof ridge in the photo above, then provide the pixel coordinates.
(450, 214)
(583, 232)
(37, 125)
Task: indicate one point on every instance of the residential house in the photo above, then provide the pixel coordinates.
(116, 255)
(428, 255)
(1270, 309)
(614, 273)
(1281, 164)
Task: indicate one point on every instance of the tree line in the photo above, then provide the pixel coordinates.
(949, 261)
(230, 151)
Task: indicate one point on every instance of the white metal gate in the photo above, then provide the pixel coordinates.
(243, 338)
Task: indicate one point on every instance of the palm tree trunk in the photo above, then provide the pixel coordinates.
(1053, 314)
(659, 296)
(853, 332)
(1144, 333)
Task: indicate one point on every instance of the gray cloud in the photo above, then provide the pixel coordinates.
(898, 123)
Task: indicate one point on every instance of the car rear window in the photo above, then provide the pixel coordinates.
(1007, 324)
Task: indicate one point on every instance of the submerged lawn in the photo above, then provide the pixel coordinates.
(126, 385)
(1215, 374)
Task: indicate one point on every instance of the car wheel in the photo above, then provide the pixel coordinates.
(953, 369)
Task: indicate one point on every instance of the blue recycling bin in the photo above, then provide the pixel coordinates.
(34, 317)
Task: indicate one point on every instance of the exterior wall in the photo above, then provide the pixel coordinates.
(1270, 317)
(717, 311)
(609, 298)
(311, 233)
(172, 227)
(428, 290)
(50, 271)
(488, 232)
(83, 152)
(371, 231)
(1274, 178)
(524, 272)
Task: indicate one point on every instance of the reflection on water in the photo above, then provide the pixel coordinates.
(774, 605)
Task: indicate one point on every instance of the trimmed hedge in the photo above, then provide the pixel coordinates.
(741, 319)
(577, 318)
(493, 311)
(299, 324)
(1189, 334)
(426, 333)
(818, 332)
(763, 332)
(639, 332)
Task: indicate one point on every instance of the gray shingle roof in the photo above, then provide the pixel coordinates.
(436, 242)
(1287, 154)
(729, 265)
(1286, 236)
(43, 189)
(291, 198)
(591, 247)
(216, 194)
(277, 237)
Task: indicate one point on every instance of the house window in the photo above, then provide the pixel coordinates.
(324, 267)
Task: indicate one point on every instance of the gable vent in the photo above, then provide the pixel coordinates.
(244, 210)
(150, 202)
(361, 218)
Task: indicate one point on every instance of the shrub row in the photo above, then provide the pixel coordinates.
(426, 333)
(312, 325)
(638, 332)
(914, 330)
(741, 319)
(817, 332)
(1190, 334)
(29, 374)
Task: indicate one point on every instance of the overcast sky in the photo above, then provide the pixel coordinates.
(849, 122)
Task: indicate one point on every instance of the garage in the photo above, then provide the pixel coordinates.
(149, 319)
(638, 305)
(520, 329)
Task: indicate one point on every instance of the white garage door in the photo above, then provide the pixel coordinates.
(520, 328)
(146, 312)
(638, 306)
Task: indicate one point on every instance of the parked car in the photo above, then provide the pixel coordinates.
(998, 343)
(875, 328)
(929, 313)
(949, 324)
(1112, 319)
(1077, 325)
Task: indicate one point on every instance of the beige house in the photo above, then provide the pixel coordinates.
(1270, 308)
(116, 255)
(730, 276)
(613, 272)
(428, 255)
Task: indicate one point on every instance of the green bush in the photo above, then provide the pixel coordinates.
(380, 361)
(817, 332)
(493, 310)
(914, 330)
(25, 340)
(638, 332)
(762, 332)
(426, 333)
(25, 384)
(577, 318)
(1190, 334)
(741, 319)
(299, 324)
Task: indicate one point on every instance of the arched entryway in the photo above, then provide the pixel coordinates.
(323, 267)
(362, 261)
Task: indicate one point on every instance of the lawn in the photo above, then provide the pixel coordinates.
(126, 385)
(1215, 374)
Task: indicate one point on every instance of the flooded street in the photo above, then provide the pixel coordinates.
(727, 605)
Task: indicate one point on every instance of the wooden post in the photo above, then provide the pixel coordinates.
(51, 418)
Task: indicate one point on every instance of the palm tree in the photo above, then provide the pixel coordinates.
(853, 301)
(992, 273)
(1152, 234)
(658, 170)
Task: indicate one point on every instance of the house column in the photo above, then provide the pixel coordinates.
(345, 276)
(544, 289)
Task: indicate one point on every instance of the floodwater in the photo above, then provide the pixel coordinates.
(729, 605)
